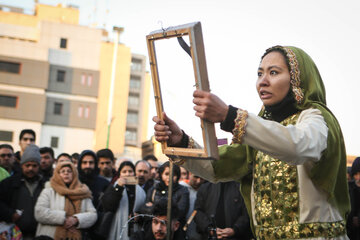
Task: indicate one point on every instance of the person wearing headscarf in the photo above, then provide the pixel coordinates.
(64, 207)
(180, 194)
(290, 158)
(124, 198)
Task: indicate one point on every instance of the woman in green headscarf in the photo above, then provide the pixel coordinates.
(290, 158)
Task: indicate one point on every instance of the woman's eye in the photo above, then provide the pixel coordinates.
(259, 74)
(273, 72)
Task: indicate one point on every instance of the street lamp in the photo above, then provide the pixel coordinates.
(118, 31)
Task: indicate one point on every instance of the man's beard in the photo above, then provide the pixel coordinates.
(88, 171)
(160, 234)
(46, 168)
(141, 180)
(107, 172)
(34, 177)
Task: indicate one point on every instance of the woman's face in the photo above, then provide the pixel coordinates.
(66, 174)
(273, 81)
(127, 171)
(165, 176)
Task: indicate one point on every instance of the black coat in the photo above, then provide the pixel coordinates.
(180, 197)
(353, 231)
(97, 186)
(235, 213)
(15, 195)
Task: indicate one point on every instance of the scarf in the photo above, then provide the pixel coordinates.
(73, 194)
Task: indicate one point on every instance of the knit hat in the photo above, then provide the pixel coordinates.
(31, 154)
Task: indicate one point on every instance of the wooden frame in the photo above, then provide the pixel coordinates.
(194, 32)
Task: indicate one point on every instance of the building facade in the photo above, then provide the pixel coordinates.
(55, 79)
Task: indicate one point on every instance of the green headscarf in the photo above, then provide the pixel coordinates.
(329, 173)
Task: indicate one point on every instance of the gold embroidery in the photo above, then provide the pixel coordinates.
(294, 75)
(240, 123)
(306, 230)
(191, 143)
(294, 72)
(276, 201)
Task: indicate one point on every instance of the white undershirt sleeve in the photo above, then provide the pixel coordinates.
(294, 144)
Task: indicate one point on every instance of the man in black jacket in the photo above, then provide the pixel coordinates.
(224, 203)
(89, 174)
(19, 193)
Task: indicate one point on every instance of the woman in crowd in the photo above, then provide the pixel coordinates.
(124, 198)
(64, 207)
(180, 193)
(290, 158)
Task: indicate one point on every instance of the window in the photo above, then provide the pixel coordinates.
(63, 42)
(135, 83)
(80, 111)
(130, 135)
(60, 76)
(9, 67)
(89, 80)
(132, 117)
(8, 101)
(136, 65)
(58, 108)
(87, 112)
(133, 100)
(83, 79)
(54, 143)
(6, 136)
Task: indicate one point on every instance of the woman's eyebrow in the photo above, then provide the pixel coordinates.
(270, 67)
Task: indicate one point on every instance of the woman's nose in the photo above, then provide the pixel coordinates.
(263, 80)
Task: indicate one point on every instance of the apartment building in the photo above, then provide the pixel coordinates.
(55, 79)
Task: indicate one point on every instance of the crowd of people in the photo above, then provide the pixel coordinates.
(67, 197)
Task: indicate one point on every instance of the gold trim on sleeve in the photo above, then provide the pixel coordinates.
(240, 124)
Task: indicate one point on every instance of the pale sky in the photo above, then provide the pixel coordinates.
(236, 34)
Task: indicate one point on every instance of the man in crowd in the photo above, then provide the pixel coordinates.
(26, 137)
(19, 193)
(7, 159)
(46, 162)
(224, 203)
(89, 174)
(158, 229)
(75, 158)
(64, 157)
(193, 186)
(154, 166)
(353, 221)
(142, 171)
(106, 163)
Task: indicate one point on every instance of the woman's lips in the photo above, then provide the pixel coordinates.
(265, 94)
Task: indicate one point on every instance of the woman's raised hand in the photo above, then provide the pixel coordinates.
(209, 107)
(167, 130)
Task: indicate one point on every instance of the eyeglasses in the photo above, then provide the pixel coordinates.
(9, 155)
(29, 139)
(65, 171)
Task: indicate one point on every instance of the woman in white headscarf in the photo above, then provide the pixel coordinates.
(64, 206)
